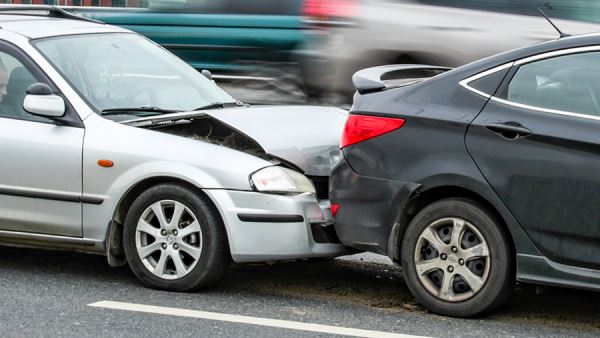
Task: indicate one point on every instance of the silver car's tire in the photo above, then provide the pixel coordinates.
(456, 258)
(174, 239)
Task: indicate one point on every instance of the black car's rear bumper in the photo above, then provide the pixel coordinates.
(369, 207)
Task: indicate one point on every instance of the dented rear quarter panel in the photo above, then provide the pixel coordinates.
(439, 108)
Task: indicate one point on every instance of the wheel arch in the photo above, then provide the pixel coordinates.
(422, 198)
(114, 233)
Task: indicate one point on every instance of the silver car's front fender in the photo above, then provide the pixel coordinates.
(138, 154)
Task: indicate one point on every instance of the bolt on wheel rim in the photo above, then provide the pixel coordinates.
(168, 239)
(452, 259)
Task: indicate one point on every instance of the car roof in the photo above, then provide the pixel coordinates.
(592, 39)
(36, 26)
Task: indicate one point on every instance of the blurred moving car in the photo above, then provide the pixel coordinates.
(435, 32)
(471, 177)
(261, 43)
(112, 145)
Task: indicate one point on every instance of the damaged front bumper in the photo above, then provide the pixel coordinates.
(266, 227)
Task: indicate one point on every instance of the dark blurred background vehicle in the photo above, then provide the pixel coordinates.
(266, 51)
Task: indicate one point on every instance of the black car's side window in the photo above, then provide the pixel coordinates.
(569, 83)
(14, 80)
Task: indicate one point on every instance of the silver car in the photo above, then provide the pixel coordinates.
(111, 145)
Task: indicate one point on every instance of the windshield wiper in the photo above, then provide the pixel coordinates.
(119, 111)
(215, 105)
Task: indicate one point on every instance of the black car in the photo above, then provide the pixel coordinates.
(473, 177)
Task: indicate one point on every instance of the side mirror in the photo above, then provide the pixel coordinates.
(207, 74)
(41, 101)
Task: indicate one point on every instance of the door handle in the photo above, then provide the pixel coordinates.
(509, 130)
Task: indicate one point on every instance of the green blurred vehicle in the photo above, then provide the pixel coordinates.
(260, 41)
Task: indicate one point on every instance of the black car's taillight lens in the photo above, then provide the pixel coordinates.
(362, 127)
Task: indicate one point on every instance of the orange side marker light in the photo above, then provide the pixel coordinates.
(105, 163)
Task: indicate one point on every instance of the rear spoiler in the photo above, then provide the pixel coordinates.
(374, 79)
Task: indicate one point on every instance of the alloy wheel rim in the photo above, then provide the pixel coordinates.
(452, 259)
(168, 239)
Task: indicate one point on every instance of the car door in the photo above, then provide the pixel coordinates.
(40, 159)
(537, 142)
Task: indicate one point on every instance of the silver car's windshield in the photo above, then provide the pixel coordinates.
(123, 70)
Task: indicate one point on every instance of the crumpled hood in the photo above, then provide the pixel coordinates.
(307, 136)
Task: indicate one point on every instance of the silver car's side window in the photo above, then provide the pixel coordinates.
(14, 80)
(569, 83)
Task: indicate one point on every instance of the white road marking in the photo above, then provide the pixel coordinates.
(224, 317)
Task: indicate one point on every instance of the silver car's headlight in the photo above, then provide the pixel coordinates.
(280, 180)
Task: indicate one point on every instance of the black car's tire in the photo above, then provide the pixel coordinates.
(205, 238)
(496, 268)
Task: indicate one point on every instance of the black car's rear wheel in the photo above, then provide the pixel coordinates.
(174, 240)
(456, 258)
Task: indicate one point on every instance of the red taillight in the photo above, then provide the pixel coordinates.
(334, 208)
(326, 9)
(361, 127)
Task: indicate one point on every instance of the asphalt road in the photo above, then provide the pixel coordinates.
(49, 294)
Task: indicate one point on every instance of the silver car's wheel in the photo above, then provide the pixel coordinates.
(452, 259)
(168, 239)
(174, 238)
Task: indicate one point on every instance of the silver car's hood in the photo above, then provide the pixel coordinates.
(307, 136)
